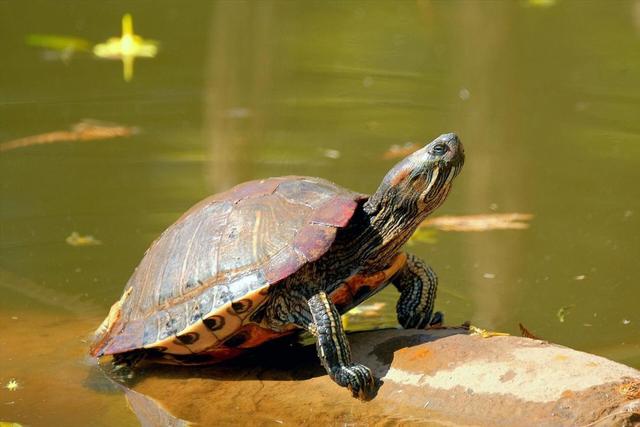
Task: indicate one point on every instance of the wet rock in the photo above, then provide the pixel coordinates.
(438, 376)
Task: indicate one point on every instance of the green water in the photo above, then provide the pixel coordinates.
(546, 100)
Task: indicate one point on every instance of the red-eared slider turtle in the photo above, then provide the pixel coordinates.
(273, 256)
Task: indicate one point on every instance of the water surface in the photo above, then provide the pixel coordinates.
(546, 100)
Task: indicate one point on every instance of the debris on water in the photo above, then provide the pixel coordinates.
(238, 113)
(628, 213)
(86, 130)
(485, 333)
(489, 276)
(75, 239)
(580, 277)
(331, 154)
(563, 312)
(423, 235)
(397, 151)
(127, 48)
(12, 385)
(493, 206)
(464, 94)
(484, 222)
(626, 321)
(8, 423)
(541, 3)
(588, 325)
(527, 333)
(14, 317)
(58, 47)
(367, 81)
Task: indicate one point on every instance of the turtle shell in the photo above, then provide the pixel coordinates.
(200, 281)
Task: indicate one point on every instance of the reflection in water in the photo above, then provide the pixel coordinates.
(237, 87)
(477, 67)
(150, 412)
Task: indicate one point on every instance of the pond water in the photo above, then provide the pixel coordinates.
(545, 96)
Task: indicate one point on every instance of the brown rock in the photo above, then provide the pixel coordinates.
(428, 377)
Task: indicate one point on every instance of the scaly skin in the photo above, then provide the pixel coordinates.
(413, 189)
(417, 284)
(333, 348)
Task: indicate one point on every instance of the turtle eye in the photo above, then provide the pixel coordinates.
(439, 149)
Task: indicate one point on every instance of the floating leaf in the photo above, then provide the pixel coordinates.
(63, 47)
(331, 154)
(506, 221)
(75, 239)
(563, 312)
(126, 48)
(86, 130)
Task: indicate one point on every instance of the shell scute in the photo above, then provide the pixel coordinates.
(150, 334)
(283, 264)
(309, 193)
(213, 267)
(336, 212)
(253, 189)
(312, 239)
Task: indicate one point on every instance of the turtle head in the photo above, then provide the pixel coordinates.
(420, 183)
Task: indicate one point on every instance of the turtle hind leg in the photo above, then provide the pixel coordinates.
(417, 284)
(333, 348)
(128, 359)
(123, 364)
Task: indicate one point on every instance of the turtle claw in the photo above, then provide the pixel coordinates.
(358, 379)
(437, 321)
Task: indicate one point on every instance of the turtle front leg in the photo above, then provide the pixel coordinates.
(333, 348)
(417, 284)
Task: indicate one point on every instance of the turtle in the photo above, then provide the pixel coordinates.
(273, 256)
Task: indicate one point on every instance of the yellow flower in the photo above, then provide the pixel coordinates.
(12, 385)
(127, 47)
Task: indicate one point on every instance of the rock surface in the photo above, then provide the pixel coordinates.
(437, 377)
